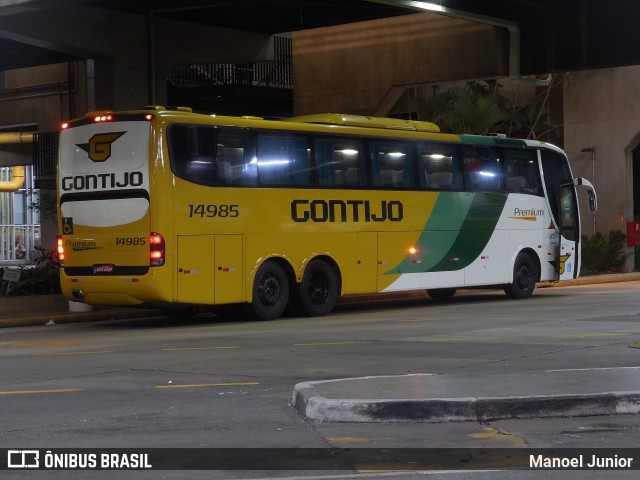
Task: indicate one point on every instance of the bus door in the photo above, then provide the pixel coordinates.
(568, 249)
(560, 188)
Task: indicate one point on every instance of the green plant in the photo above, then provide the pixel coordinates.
(480, 107)
(603, 254)
(471, 108)
(41, 279)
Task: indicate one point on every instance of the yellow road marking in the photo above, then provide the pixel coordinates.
(42, 343)
(499, 435)
(96, 352)
(28, 392)
(197, 385)
(179, 349)
(320, 344)
(348, 439)
(461, 339)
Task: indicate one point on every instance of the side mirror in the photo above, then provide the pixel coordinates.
(591, 192)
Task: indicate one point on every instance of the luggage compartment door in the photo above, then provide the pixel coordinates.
(196, 268)
(228, 269)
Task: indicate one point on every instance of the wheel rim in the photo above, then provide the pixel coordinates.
(523, 278)
(318, 290)
(269, 290)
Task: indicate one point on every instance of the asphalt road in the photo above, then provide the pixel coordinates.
(226, 381)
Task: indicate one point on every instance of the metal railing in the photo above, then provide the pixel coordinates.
(17, 244)
(19, 222)
(275, 74)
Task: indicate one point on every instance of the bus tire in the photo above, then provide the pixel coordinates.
(270, 291)
(318, 290)
(441, 294)
(525, 276)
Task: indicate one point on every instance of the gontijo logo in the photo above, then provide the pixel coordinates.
(99, 146)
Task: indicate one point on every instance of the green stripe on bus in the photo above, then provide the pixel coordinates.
(475, 232)
(455, 234)
(439, 233)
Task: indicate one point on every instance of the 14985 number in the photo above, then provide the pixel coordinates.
(223, 211)
(128, 241)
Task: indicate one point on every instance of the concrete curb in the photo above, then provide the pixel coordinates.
(313, 404)
(479, 409)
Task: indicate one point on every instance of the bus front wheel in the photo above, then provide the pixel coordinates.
(318, 289)
(525, 276)
(270, 291)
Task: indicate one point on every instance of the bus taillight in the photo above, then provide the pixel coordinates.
(60, 250)
(156, 254)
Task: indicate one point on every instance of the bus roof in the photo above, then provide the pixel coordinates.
(366, 121)
(369, 123)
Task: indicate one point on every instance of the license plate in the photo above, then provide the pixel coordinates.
(105, 268)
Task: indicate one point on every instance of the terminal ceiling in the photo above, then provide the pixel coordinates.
(556, 35)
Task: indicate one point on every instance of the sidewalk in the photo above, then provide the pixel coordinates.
(42, 309)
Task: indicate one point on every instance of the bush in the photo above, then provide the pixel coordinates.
(42, 279)
(601, 255)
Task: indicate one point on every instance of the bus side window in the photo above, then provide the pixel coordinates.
(482, 168)
(438, 165)
(338, 162)
(392, 164)
(284, 160)
(233, 166)
(192, 151)
(523, 175)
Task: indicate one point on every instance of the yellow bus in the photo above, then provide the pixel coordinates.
(176, 210)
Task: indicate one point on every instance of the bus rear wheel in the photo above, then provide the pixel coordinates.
(525, 276)
(318, 289)
(270, 291)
